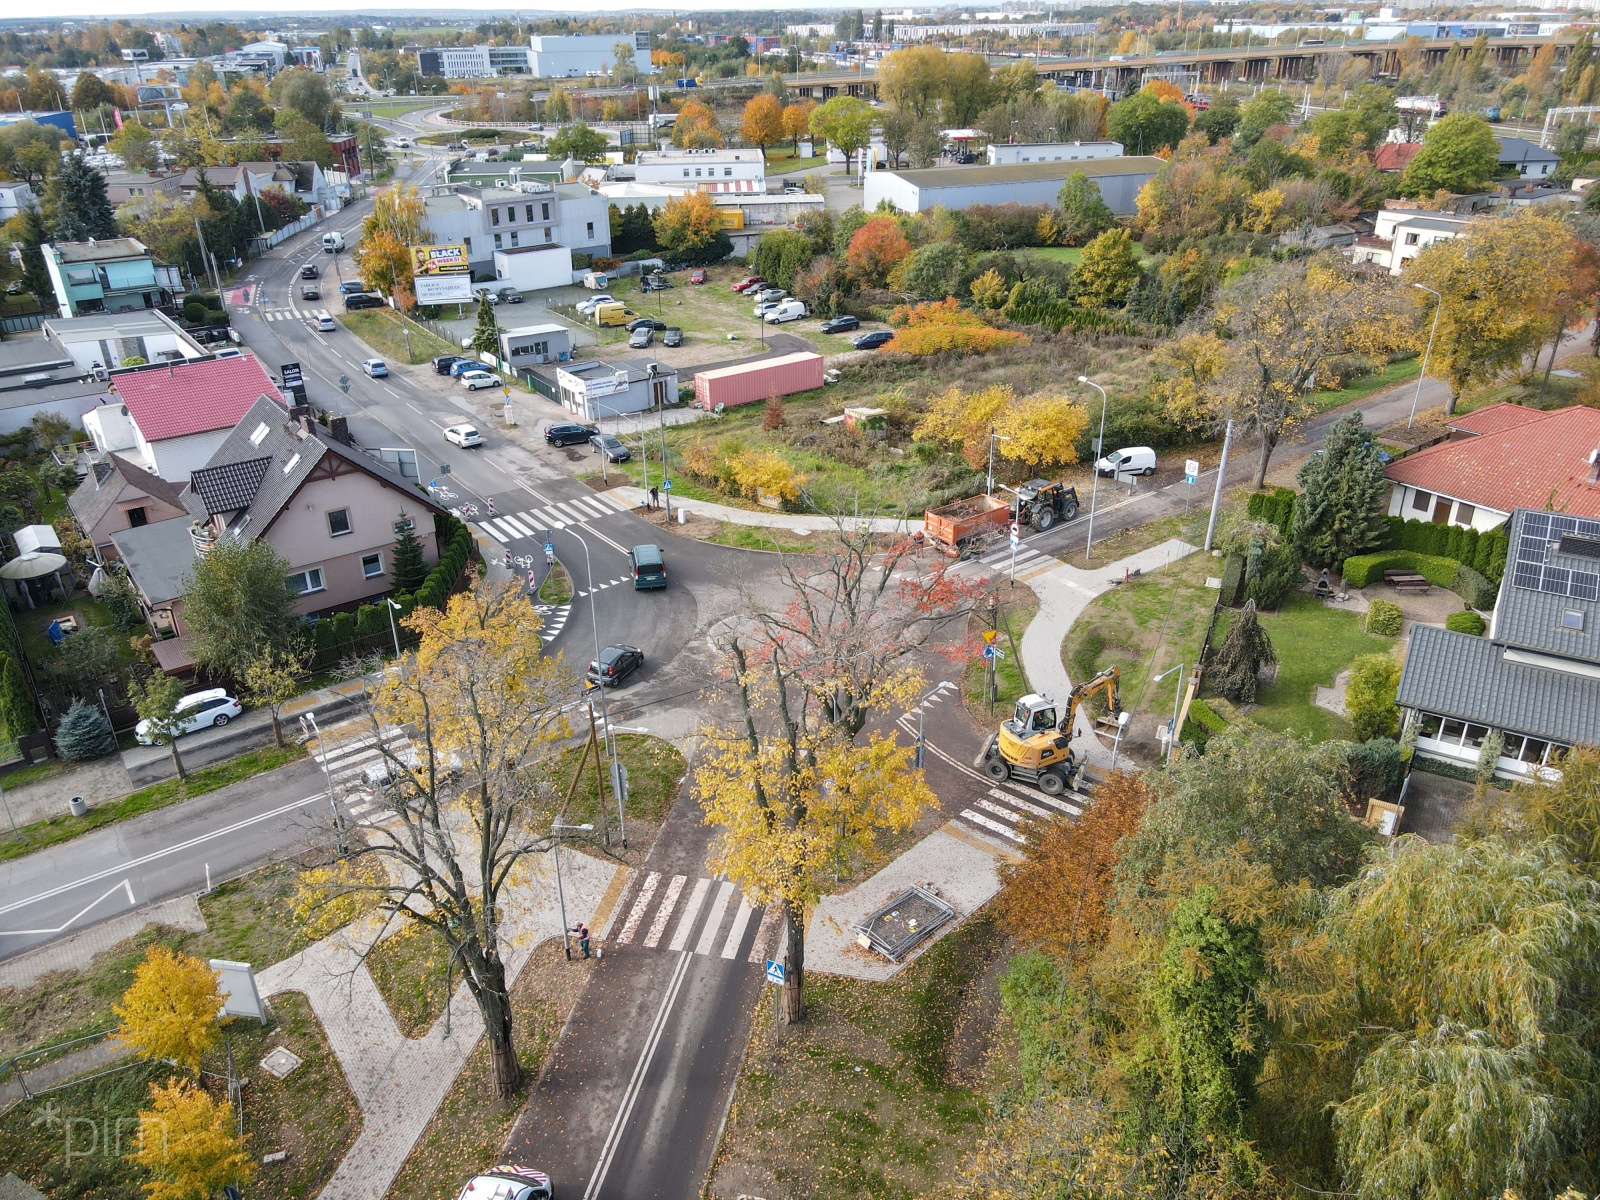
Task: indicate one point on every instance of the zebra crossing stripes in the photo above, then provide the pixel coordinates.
(554, 618)
(725, 930)
(719, 906)
(532, 523)
(636, 913)
(1029, 561)
(741, 921)
(357, 766)
(691, 910)
(664, 913)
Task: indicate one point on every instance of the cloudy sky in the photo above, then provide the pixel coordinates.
(97, 8)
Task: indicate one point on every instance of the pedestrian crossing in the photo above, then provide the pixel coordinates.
(356, 768)
(701, 916)
(1030, 562)
(534, 522)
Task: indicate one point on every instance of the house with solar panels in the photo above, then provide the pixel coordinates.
(1534, 677)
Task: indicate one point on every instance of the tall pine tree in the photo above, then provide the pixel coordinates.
(1341, 512)
(29, 231)
(78, 202)
(410, 569)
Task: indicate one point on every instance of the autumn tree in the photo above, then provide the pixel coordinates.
(875, 249)
(844, 122)
(689, 229)
(272, 679)
(1042, 430)
(1108, 270)
(398, 221)
(797, 119)
(1566, 811)
(696, 127)
(170, 1009)
(763, 121)
(578, 142)
(558, 106)
(1369, 697)
(1144, 124)
(793, 787)
(1081, 212)
(156, 700)
(186, 1142)
(473, 797)
(913, 80)
(1459, 154)
(236, 603)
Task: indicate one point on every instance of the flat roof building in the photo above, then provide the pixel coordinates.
(586, 55)
(1119, 181)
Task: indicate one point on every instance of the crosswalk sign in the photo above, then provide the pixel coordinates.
(774, 971)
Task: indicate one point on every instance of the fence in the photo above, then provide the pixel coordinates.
(260, 245)
(14, 1072)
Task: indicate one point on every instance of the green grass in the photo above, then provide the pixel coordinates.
(783, 162)
(32, 625)
(1359, 389)
(52, 831)
(759, 537)
(557, 586)
(1017, 608)
(656, 771)
(35, 773)
(1073, 254)
(393, 337)
(408, 969)
(1313, 643)
(1563, 390)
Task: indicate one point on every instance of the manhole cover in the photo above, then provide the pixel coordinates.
(280, 1064)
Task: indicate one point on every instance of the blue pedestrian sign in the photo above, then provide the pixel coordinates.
(774, 971)
(666, 485)
(549, 548)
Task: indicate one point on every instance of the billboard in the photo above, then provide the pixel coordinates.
(440, 274)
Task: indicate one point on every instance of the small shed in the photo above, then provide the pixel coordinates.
(33, 539)
(869, 423)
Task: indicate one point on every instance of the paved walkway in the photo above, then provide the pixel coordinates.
(794, 522)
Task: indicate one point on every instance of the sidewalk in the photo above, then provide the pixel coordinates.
(794, 522)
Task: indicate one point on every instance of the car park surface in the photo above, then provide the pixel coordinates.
(641, 338)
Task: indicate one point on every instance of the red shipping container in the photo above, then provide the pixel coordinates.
(749, 382)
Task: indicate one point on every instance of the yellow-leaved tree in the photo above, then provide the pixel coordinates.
(762, 124)
(186, 1142)
(763, 471)
(793, 786)
(169, 1011)
(398, 221)
(471, 793)
(1038, 431)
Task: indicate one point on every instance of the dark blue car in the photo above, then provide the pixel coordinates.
(874, 339)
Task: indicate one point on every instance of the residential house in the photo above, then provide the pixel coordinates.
(1534, 679)
(111, 275)
(170, 418)
(1400, 234)
(1528, 160)
(104, 341)
(123, 186)
(39, 375)
(303, 180)
(1392, 158)
(1497, 460)
(14, 198)
(331, 511)
(118, 495)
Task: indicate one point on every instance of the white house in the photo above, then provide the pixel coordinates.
(1400, 234)
(14, 197)
(742, 170)
(104, 341)
(524, 214)
(1119, 181)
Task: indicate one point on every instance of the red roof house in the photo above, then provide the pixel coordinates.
(1395, 156)
(1502, 458)
(173, 416)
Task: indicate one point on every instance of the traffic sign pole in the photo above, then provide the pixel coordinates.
(1016, 532)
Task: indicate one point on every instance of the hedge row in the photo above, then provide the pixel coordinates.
(1361, 569)
(1484, 552)
(1275, 507)
(1056, 315)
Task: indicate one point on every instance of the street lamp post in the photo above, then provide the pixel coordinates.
(1099, 448)
(394, 632)
(605, 717)
(1123, 718)
(930, 694)
(1177, 698)
(993, 438)
(1437, 308)
(561, 895)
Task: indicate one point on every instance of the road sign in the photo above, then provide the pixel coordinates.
(1016, 532)
(666, 485)
(774, 971)
(989, 652)
(549, 548)
(989, 635)
(1191, 470)
(344, 383)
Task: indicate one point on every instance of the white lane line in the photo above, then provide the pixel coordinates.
(664, 913)
(769, 918)
(691, 910)
(708, 935)
(993, 826)
(730, 948)
(636, 913)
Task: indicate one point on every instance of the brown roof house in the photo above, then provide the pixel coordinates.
(117, 495)
(1500, 459)
(330, 510)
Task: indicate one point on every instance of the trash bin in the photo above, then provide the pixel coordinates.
(78, 806)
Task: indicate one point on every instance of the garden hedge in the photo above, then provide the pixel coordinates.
(1383, 618)
(1275, 507)
(1484, 552)
(1361, 569)
(1466, 621)
(1472, 587)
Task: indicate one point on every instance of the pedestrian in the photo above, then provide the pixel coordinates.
(655, 498)
(582, 931)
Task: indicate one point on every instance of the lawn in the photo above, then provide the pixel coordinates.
(876, 1093)
(33, 625)
(757, 537)
(656, 771)
(784, 162)
(1359, 389)
(1313, 643)
(1074, 254)
(1018, 607)
(1562, 391)
(408, 969)
(557, 586)
(393, 337)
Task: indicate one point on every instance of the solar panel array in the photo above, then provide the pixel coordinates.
(1541, 536)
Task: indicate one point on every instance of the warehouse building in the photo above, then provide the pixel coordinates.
(474, 62)
(1119, 180)
(1001, 153)
(586, 56)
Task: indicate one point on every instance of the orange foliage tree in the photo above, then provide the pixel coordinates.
(874, 251)
(696, 127)
(797, 119)
(763, 121)
(943, 325)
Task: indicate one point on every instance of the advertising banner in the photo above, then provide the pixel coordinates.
(440, 274)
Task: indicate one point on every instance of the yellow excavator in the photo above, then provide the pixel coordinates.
(1036, 748)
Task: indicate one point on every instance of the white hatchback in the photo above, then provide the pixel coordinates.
(464, 436)
(195, 711)
(587, 307)
(473, 380)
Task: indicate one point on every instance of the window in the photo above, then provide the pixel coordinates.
(494, 216)
(541, 347)
(294, 461)
(528, 208)
(1465, 513)
(591, 229)
(137, 518)
(467, 242)
(1572, 618)
(547, 235)
(727, 172)
(1428, 725)
(1533, 751)
(697, 172)
(305, 582)
(339, 522)
(544, 212)
(498, 243)
(258, 435)
(1411, 239)
(1474, 736)
(1422, 501)
(371, 565)
(1452, 730)
(686, 172)
(514, 236)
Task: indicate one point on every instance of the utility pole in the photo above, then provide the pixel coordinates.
(1216, 496)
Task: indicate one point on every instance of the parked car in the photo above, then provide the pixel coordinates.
(645, 323)
(568, 435)
(872, 339)
(510, 295)
(443, 362)
(611, 446)
(614, 665)
(672, 336)
(748, 282)
(768, 294)
(841, 324)
(786, 310)
(587, 307)
(351, 286)
(508, 1183)
(309, 271)
(197, 710)
(698, 275)
(487, 293)
(310, 292)
(362, 300)
(375, 367)
(641, 338)
(761, 310)
(1130, 460)
(462, 365)
(464, 436)
(473, 380)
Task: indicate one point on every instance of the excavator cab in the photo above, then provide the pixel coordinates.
(1033, 714)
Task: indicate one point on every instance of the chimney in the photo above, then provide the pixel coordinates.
(1594, 465)
(339, 430)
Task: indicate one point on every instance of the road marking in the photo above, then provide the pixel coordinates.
(125, 885)
(664, 913)
(514, 524)
(1005, 814)
(993, 826)
(769, 918)
(636, 913)
(691, 910)
(1017, 801)
(708, 935)
(490, 529)
(575, 517)
(730, 948)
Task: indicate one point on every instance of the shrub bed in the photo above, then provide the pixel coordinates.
(1361, 569)
(1384, 618)
(1466, 621)
(1484, 552)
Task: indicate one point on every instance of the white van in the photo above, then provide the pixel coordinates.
(323, 323)
(1130, 460)
(333, 242)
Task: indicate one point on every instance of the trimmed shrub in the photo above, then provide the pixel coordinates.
(1271, 577)
(1373, 770)
(370, 620)
(1484, 552)
(1203, 714)
(84, 733)
(1369, 697)
(1275, 507)
(1361, 569)
(344, 628)
(1466, 621)
(1384, 618)
(1472, 587)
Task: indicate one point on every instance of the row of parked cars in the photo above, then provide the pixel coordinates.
(775, 306)
(469, 371)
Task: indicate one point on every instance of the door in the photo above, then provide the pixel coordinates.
(658, 393)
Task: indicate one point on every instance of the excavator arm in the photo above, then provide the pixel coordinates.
(1106, 681)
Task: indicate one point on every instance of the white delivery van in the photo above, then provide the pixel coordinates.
(333, 242)
(1130, 460)
(596, 281)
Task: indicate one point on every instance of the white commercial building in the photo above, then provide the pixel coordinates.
(535, 345)
(1022, 152)
(1119, 181)
(704, 170)
(588, 55)
(592, 390)
(534, 268)
(524, 215)
(474, 62)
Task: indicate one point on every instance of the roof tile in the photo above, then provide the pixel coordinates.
(180, 399)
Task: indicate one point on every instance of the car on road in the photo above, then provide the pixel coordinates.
(614, 665)
(464, 436)
(698, 275)
(403, 143)
(587, 307)
(443, 362)
(323, 322)
(473, 380)
(351, 286)
(645, 323)
(786, 310)
(197, 710)
(508, 1183)
(641, 338)
(362, 300)
(873, 339)
(309, 271)
(748, 282)
(1130, 460)
(611, 446)
(375, 367)
(672, 336)
(568, 435)
(768, 294)
(310, 292)
(842, 324)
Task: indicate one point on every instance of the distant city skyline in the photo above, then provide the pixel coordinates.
(78, 9)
